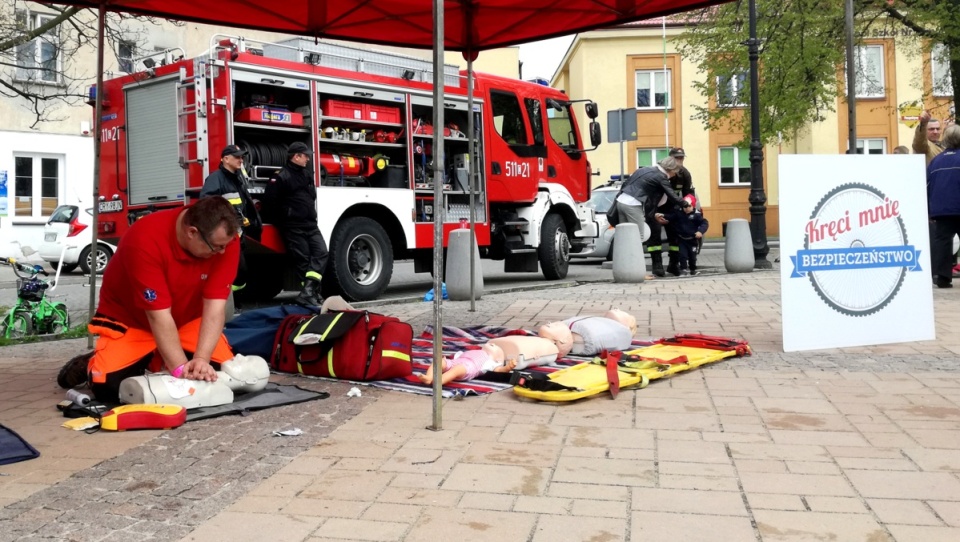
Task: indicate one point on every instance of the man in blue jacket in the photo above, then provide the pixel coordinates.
(943, 199)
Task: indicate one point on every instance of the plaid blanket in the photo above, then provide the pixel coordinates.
(457, 339)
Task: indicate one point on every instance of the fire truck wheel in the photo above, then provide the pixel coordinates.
(554, 251)
(361, 259)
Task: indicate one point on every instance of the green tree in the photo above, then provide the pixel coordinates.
(801, 55)
(38, 44)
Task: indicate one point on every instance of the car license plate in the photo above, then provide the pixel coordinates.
(49, 237)
(110, 206)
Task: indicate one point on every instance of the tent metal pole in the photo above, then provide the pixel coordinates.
(97, 120)
(439, 210)
(472, 157)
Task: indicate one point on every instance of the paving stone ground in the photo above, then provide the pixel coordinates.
(845, 444)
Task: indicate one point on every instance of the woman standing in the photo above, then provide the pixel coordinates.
(640, 195)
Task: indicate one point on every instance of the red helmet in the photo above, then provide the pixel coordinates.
(691, 199)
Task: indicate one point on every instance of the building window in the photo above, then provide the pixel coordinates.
(126, 50)
(730, 90)
(508, 117)
(649, 157)
(734, 166)
(940, 66)
(37, 181)
(872, 146)
(653, 89)
(38, 60)
(869, 64)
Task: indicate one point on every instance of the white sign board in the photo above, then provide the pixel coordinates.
(854, 251)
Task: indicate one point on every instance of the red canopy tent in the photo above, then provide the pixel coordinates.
(468, 26)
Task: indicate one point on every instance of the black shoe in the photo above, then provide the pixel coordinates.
(656, 259)
(944, 282)
(74, 372)
(673, 265)
(308, 300)
(310, 294)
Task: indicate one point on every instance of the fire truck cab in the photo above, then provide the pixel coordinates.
(368, 117)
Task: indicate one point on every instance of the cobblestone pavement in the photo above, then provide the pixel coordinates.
(845, 444)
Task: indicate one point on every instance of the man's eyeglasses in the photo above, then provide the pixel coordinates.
(212, 247)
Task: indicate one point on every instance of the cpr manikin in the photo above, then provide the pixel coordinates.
(589, 335)
(242, 374)
(527, 351)
(471, 364)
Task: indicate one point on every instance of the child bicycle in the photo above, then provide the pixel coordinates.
(33, 313)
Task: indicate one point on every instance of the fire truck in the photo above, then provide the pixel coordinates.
(367, 115)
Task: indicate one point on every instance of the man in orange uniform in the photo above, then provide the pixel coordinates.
(162, 300)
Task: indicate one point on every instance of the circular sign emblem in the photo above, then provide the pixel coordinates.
(856, 252)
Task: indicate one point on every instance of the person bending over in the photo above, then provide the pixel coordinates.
(162, 300)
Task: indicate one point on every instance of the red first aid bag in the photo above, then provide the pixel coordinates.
(350, 345)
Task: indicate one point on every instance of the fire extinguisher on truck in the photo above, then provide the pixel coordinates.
(366, 115)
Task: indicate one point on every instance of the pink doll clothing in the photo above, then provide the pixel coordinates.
(476, 362)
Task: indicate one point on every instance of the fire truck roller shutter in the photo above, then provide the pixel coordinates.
(361, 260)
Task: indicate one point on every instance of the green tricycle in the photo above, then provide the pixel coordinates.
(33, 313)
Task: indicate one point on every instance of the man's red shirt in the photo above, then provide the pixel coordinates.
(151, 271)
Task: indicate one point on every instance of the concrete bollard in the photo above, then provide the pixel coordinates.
(738, 250)
(629, 264)
(458, 266)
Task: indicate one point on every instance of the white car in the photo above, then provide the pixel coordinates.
(69, 226)
(601, 199)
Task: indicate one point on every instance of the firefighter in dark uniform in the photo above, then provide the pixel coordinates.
(292, 196)
(229, 181)
(682, 184)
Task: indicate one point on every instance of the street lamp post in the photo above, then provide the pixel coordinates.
(758, 209)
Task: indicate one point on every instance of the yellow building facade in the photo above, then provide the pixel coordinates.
(638, 66)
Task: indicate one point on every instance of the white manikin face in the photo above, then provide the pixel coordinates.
(560, 334)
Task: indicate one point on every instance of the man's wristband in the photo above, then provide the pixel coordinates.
(178, 372)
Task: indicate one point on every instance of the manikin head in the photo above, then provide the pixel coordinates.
(495, 352)
(560, 334)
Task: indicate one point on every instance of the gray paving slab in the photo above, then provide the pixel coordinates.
(846, 444)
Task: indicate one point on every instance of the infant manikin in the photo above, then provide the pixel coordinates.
(470, 364)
